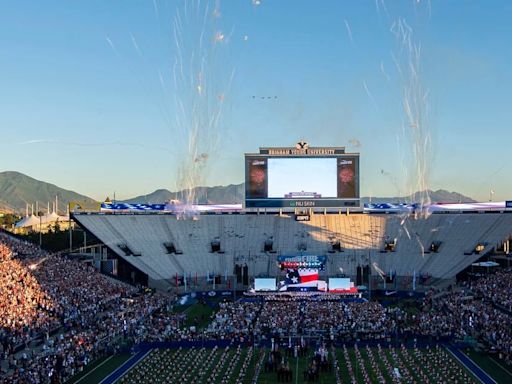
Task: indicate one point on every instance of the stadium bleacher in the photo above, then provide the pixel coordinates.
(362, 238)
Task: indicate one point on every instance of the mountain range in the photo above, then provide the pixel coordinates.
(17, 190)
(230, 194)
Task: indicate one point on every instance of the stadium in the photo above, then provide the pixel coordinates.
(300, 284)
(263, 192)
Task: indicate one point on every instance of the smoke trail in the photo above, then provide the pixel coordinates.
(202, 80)
(355, 143)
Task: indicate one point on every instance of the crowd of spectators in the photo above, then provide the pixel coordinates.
(368, 320)
(233, 320)
(334, 318)
(495, 287)
(26, 308)
(476, 310)
(62, 314)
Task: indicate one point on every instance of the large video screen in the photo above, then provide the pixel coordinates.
(302, 181)
(264, 284)
(303, 178)
(339, 283)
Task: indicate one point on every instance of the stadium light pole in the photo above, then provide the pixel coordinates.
(70, 232)
(369, 276)
(297, 369)
(40, 234)
(235, 277)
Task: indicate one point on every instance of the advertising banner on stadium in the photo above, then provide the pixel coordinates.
(302, 261)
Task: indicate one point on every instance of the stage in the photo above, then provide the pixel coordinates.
(304, 295)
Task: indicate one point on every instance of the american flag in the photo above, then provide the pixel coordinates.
(301, 276)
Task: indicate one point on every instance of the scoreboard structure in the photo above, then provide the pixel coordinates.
(302, 177)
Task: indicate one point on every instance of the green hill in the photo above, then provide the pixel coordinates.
(17, 189)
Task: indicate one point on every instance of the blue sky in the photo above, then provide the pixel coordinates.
(87, 93)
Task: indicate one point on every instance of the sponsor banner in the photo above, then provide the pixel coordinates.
(305, 259)
(301, 203)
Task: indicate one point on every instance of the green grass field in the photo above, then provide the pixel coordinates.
(100, 369)
(198, 365)
(494, 368)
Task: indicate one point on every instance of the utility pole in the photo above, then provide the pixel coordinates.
(369, 276)
(40, 233)
(70, 232)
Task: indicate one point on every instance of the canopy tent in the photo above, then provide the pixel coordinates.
(34, 221)
(28, 221)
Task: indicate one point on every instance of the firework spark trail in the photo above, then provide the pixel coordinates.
(397, 65)
(379, 4)
(157, 13)
(136, 46)
(349, 31)
(201, 80)
(112, 46)
(422, 247)
(141, 79)
(383, 71)
(379, 271)
(406, 230)
(415, 105)
(418, 3)
(370, 95)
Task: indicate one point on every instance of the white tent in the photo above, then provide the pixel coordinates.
(34, 221)
(50, 218)
(28, 221)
